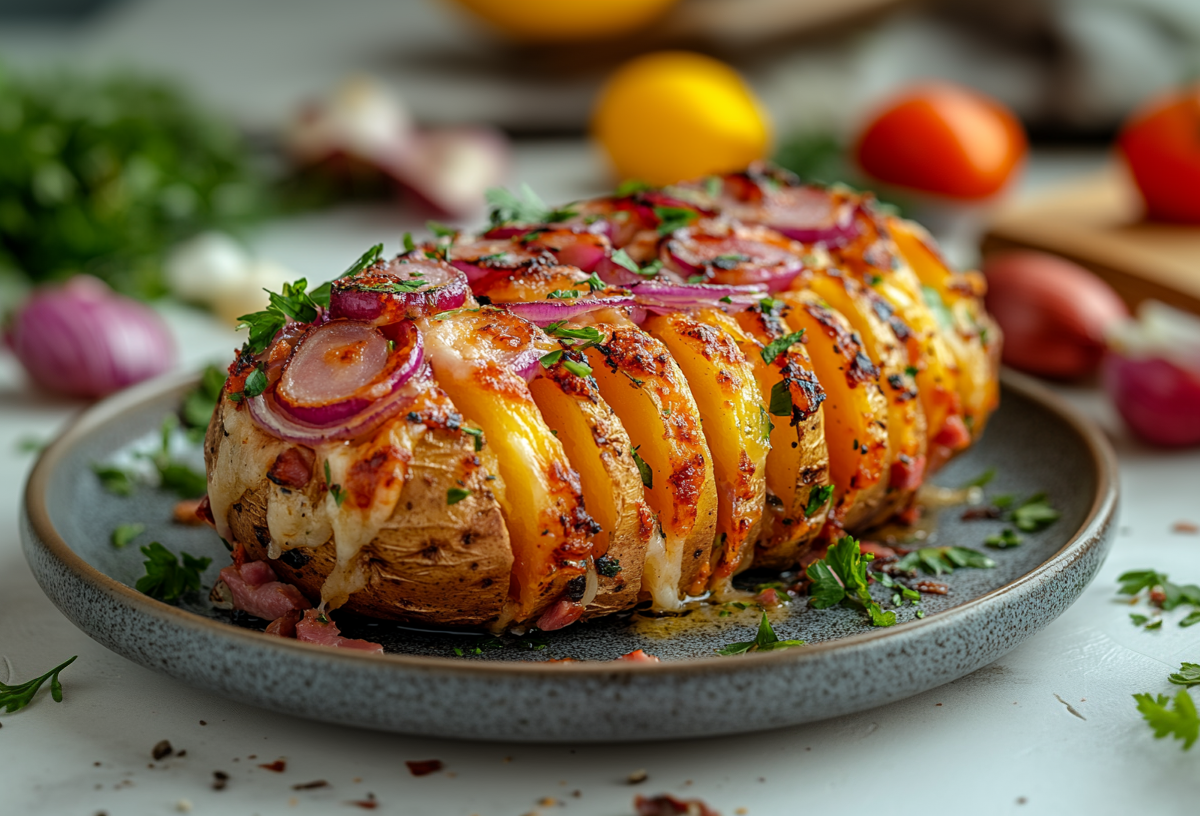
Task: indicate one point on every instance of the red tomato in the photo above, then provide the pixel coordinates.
(1161, 143)
(945, 139)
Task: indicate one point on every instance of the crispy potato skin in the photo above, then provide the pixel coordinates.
(431, 562)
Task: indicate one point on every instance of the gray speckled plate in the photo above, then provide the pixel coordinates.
(464, 685)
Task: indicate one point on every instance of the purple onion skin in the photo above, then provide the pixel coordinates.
(84, 340)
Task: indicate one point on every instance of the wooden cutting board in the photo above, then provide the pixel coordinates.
(1097, 222)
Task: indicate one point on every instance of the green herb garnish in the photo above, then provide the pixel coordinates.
(14, 698)
(506, 207)
(1182, 722)
(477, 433)
(841, 576)
(983, 479)
(1188, 675)
(643, 469)
(578, 368)
(818, 497)
(778, 346)
(781, 400)
(166, 578)
(115, 480)
(456, 494)
(1005, 540)
(764, 641)
(938, 560)
(673, 218)
(563, 294)
(124, 534)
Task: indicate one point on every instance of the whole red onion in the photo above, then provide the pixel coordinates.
(85, 340)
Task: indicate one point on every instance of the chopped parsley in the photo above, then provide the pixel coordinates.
(124, 534)
(174, 475)
(912, 371)
(673, 218)
(697, 278)
(371, 256)
(115, 480)
(818, 498)
(764, 641)
(577, 367)
(456, 494)
(621, 258)
(477, 433)
(1139, 620)
(764, 422)
(563, 294)
(729, 261)
(294, 303)
(595, 284)
(441, 230)
(779, 345)
(1034, 513)
(506, 207)
(630, 186)
(607, 566)
(1188, 675)
(201, 401)
(585, 336)
(841, 577)
(770, 305)
(643, 469)
(982, 480)
(933, 300)
(14, 698)
(166, 578)
(781, 400)
(409, 246)
(551, 358)
(256, 382)
(713, 185)
(1181, 722)
(939, 560)
(335, 490)
(1005, 540)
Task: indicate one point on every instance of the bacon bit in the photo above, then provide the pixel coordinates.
(312, 630)
(187, 512)
(1157, 596)
(562, 613)
(768, 597)
(932, 587)
(423, 767)
(981, 513)
(370, 803)
(1188, 527)
(909, 515)
(278, 766)
(293, 468)
(878, 550)
(666, 805)
(256, 591)
(285, 625)
(907, 473)
(204, 511)
(637, 656)
(319, 783)
(954, 434)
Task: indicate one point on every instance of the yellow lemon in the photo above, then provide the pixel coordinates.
(674, 115)
(566, 20)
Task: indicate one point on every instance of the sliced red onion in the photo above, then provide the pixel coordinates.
(810, 215)
(339, 369)
(543, 312)
(615, 274)
(583, 250)
(728, 253)
(265, 412)
(85, 340)
(705, 292)
(480, 258)
(398, 290)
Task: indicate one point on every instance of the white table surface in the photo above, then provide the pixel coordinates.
(1000, 740)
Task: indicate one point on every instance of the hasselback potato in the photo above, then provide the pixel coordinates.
(628, 399)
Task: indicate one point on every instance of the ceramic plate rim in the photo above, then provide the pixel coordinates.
(107, 411)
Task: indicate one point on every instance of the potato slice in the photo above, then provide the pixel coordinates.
(798, 462)
(430, 562)
(870, 315)
(595, 442)
(856, 413)
(956, 299)
(638, 378)
(735, 426)
(473, 355)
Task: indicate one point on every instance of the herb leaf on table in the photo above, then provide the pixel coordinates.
(1188, 675)
(1180, 722)
(14, 698)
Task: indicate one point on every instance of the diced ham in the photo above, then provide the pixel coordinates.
(666, 805)
(907, 473)
(293, 468)
(257, 592)
(325, 633)
(768, 597)
(954, 434)
(876, 549)
(562, 613)
(285, 625)
(637, 656)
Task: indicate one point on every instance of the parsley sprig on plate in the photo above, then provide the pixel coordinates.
(14, 698)
(764, 641)
(166, 578)
(841, 578)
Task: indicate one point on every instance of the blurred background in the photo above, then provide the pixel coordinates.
(195, 153)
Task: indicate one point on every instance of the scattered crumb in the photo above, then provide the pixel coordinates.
(316, 783)
(547, 801)
(1186, 527)
(220, 780)
(162, 749)
(937, 704)
(370, 803)
(637, 777)
(741, 811)
(423, 767)
(764, 779)
(97, 764)
(1021, 800)
(577, 793)
(278, 766)
(293, 801)
(202, 722)
(508, 759)
(687, 782)
(450, 774)
(183, 806)
(252, 756)
(356, 780)
(182, 753)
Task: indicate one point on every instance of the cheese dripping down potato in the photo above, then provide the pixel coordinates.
(627, 400)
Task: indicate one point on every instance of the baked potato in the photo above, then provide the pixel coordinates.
(550, 422)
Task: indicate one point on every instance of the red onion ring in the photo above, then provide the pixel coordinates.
(733, 253)
(264, 411)
(543, 312)
(308, 390)
(480, 258)
(367, 295)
